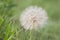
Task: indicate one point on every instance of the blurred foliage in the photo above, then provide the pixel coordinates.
(7, 9)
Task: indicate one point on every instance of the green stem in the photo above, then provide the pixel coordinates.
(30, 35)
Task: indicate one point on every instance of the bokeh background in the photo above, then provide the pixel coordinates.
(10, 28)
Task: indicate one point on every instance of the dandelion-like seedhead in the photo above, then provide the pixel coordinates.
(33, 17)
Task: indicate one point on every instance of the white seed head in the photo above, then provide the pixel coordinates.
(33, 17)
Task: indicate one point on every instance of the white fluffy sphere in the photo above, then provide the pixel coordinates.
(33, 17)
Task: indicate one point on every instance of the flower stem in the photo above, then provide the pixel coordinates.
(30, 34)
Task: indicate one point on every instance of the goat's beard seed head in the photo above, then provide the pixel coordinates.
(33, 17)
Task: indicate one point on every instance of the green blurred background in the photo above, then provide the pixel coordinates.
(10, 28)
